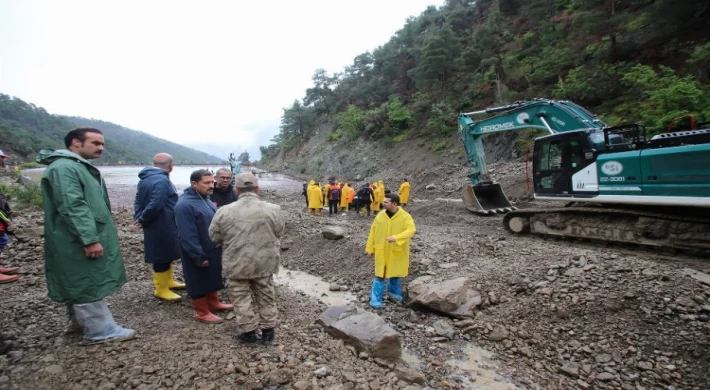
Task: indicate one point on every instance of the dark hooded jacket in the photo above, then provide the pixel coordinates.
(193, 215)
(154, 208)
(77, 213)
(223, 197)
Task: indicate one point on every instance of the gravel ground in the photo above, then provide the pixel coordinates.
(558, 314)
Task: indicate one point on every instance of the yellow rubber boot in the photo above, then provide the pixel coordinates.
(172, 283)
(160, 280)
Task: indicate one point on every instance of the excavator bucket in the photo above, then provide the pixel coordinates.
(486, 199)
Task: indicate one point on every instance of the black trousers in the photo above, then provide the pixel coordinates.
(333, 206)
(161, 267)
(366, 206)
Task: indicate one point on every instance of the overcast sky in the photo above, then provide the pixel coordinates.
(209, 72)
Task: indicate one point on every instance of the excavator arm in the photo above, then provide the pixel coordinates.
(555, 116)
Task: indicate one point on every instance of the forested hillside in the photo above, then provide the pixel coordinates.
(142, 144)
(25, 129)
(645, 61)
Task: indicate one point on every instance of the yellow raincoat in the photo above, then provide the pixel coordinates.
(344, 195)
(404, 192)
(325, 194)
(391, 259)
(375, 206)
(381, 191)
(315, 196)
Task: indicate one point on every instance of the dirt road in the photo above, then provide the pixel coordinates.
(557, 315)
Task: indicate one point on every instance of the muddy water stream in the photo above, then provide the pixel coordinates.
(478, 370)
(313, 287)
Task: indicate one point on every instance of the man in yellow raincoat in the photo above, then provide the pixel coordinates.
(345, 196)
(375, 206)
(383, 191)
(404, 192)
(315, 198)
(388, 244)
(325, 194)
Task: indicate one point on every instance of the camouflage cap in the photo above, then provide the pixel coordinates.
(245, 180)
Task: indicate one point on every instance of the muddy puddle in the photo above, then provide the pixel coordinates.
(478, 370)
(313, 287)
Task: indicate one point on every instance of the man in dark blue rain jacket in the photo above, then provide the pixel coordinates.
(154, 212)
(201, 258)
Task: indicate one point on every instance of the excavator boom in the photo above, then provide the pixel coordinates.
(554, 116)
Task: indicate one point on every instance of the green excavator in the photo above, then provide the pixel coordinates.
(617, 184)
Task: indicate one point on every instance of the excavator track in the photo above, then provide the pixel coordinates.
(685, 230)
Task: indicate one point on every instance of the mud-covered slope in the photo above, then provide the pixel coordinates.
(362, 159)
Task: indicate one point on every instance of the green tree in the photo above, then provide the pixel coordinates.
(297, 122)
(243, 157)
(320, 96)
(665, 96)
(437, 64)
(351, 122)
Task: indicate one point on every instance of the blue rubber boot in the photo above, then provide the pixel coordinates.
(394, 291)
(376, 293)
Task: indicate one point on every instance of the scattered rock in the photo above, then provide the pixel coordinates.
(409, 374)
(321, 372)
(442, 328)
(454, 297)
(363, 330)
(54, 369)
(499, 333)
(281, 376)
(332, 232)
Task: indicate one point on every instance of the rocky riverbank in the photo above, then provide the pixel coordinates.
(554, 314)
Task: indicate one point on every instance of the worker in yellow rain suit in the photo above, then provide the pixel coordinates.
(325, 189)
(345, 196)
(388, 244)
(404, 192)
(381, 192)
(375, 206)
(315, 198)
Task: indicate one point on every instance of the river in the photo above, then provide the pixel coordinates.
(180, 176)
(121, 180)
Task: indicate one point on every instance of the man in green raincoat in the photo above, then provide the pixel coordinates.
(83, 261)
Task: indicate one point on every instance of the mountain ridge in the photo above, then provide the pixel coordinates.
(25, 129)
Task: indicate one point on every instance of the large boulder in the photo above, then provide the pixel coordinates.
(333, 232)
(453, 297)
(365, 331)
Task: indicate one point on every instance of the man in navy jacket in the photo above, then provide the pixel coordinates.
(154, 212)
(201, 258)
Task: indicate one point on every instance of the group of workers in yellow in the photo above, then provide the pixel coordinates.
(335, 195)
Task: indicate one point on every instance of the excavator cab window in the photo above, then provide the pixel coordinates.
(556, 159)
(548, 158)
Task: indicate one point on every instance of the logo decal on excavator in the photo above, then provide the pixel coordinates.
(612, 168)
(523, 117)
(498, 126)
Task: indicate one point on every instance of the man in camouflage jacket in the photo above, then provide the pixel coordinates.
(249, 231)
